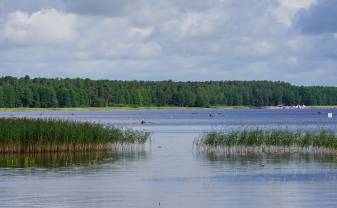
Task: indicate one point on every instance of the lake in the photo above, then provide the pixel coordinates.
(169, 172)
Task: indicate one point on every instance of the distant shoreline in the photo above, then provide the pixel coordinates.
(152, 108)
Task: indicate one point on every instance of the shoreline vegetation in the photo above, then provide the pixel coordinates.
(268, 142)
(119, 108)
(22, 135)
(22, 109)
(75, 92)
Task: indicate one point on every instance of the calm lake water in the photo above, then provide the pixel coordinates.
(168, 171)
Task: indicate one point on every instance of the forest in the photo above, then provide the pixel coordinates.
(57, 92)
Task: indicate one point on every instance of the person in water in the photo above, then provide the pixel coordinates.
(142, 121)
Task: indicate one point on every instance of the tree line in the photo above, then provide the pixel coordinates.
(46, 92)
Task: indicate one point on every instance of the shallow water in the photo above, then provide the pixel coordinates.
(169, 171)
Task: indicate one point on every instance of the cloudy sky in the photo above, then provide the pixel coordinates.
(288, 40)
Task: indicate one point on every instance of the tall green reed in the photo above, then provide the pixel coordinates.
(290, 141)
(38, 135)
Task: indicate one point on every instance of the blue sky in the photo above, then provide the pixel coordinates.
(288, 40)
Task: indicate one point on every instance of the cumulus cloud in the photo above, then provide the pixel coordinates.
(177, 39)
(42, 27)
(79, 37)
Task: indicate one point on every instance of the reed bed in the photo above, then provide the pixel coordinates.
(273, 141)
(22, 135)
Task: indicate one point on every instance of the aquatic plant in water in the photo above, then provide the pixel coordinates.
(38, 135)
(268, 141)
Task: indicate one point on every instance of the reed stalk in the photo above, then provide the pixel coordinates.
(272, 142)
(22, 135)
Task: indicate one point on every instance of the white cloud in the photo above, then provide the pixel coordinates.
(195, 24)
(140, 33)
(42, 27)
(115, 37)
(78, 36)
(177, 39)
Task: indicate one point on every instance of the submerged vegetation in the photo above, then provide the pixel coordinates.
(274, 141)
(38, 135)
(53, 93)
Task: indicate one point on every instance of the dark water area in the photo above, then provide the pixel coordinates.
(169, 172)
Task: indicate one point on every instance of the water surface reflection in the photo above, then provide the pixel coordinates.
(65, 159)
(169, 171)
